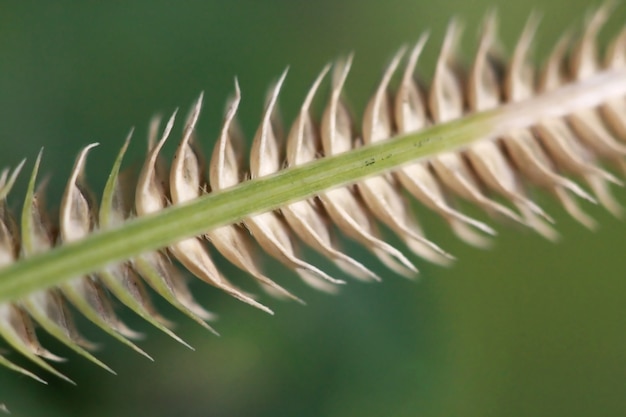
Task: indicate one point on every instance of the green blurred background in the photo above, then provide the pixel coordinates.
(527, 328)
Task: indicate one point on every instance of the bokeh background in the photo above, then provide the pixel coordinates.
(527, 328)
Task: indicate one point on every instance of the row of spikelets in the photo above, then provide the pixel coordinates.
(544, 156)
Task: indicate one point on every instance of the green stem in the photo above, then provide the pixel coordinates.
(156, 231)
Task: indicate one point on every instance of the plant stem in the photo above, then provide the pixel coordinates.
(156, 231)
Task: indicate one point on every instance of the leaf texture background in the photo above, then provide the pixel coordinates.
(526, 328)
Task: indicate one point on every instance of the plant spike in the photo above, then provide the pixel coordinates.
(485, 135)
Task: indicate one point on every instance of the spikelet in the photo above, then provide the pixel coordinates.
(494, 174)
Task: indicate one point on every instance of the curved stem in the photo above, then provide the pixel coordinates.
(156, 231)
